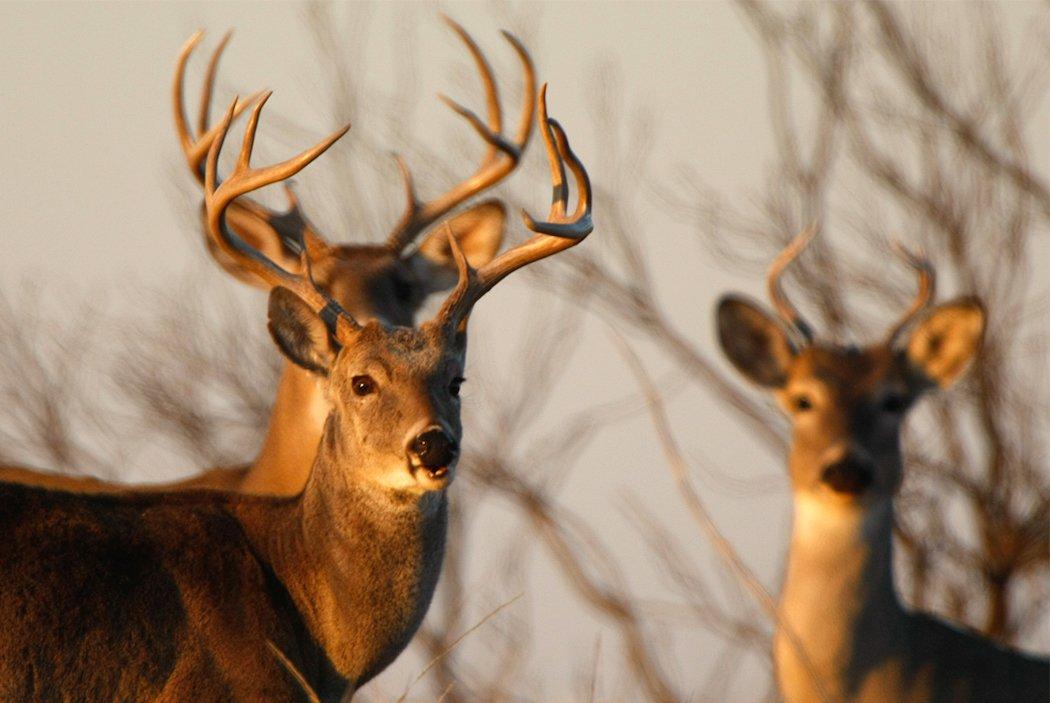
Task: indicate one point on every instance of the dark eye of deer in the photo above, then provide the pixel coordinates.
(802, 403)
(363, 385)
(894, 403)
(454, 387)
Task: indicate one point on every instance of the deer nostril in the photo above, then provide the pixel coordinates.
(434, 448)
(848, 475)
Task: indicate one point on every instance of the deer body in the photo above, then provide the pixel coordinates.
(281, 467)
(839, 600)
(842, 633)
(283, 463)
(179, 596)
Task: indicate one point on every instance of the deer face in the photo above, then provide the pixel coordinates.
(394, 392)
(847, 405)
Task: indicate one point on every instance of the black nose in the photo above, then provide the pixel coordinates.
(848, 475)
(434, 448)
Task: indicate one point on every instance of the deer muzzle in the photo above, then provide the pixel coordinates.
(849, 475)
(435, 451)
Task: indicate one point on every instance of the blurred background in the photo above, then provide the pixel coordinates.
(713, 133)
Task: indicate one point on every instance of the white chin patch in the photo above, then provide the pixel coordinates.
(399, 477)
(432, 479)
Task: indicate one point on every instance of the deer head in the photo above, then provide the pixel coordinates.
(393, 389)
(388, 281)
(847, 404)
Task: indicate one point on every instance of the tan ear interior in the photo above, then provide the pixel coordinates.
(479, 232)
(247, 226)
(944, 344)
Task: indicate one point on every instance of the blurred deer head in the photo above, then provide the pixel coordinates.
(846, 404)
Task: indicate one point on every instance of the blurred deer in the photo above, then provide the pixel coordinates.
(387, 282)
(205, 595)
(842, 624)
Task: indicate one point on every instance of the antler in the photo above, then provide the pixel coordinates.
(556, 234)
(783, 306)
(250, 217)
(244, 179)
(927, 287)
(502, 156)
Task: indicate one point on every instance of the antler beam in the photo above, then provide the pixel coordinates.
(244, 179)
(557, 233)
(788, 312)
(927, 288)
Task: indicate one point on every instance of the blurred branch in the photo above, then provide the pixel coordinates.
(902, 53)
(722, 546)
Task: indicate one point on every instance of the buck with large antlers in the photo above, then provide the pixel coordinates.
(388, 282)
(844, 634)
(215, 596)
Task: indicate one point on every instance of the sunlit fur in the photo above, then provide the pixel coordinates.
(178, 596)
(838, 598)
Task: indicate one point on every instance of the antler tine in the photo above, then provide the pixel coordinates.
(559, 153)
(783, 306)
(207, 89)
(525, 121)
(195, 146)
(492, 105)
(181, 127)
(501, 157)
(559, 233)
(927, 287)
(244, 179)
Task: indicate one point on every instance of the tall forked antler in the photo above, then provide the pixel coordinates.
(501, 157)
(244, 179)
(558, 233)
(927, 287)
(788, 312)
(250, 217)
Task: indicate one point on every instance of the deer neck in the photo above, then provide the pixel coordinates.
(359, 561)
(838, 598)
(296, 422)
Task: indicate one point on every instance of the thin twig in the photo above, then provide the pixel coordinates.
(294, 671)
(430, 665)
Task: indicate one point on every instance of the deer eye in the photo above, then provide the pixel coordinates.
(802, 402)
(363, 385)
(454, 387)
(894, 403)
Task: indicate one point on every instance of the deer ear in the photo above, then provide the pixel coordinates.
(479, 232)
(754, 341)
(258, 235)
(299, 332)
(942, 346)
